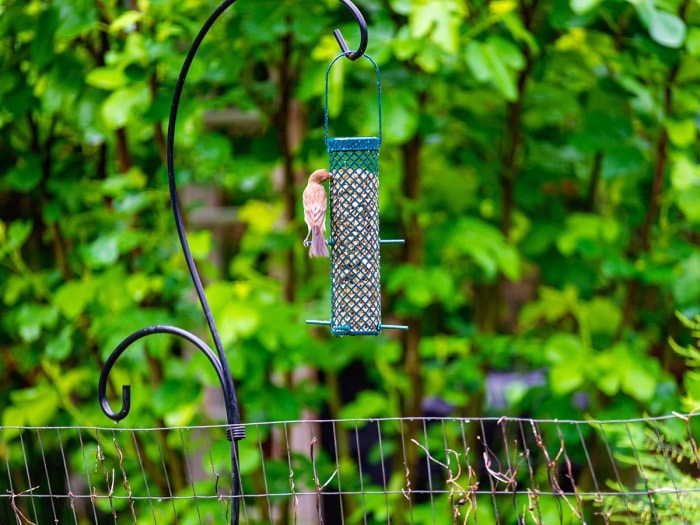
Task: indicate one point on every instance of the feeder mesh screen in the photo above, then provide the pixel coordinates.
(355, 294)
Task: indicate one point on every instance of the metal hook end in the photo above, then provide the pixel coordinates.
(341, 41)
(353, 55)
(126, 405)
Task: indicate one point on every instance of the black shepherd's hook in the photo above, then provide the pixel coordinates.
(353, 55)
(126, 389)
(234, 430)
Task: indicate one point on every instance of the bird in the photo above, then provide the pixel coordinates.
(314, 198)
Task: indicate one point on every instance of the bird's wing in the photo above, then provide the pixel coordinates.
(314, 198)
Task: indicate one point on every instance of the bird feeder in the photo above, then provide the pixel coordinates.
(354, 255)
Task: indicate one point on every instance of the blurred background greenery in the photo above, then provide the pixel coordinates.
(540, 157)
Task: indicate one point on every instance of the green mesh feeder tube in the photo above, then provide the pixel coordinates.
(354, 255)
(355, 282)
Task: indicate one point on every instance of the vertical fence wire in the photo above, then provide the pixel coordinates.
(336, 457)
(669, 469)
(30, 486)
(48, 477)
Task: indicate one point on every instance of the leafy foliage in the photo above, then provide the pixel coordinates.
(540, 158)
(670, 463)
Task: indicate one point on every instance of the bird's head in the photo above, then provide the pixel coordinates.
(320, 176)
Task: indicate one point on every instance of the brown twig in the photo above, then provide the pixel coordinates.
(456, 489)
(18, 513)
(292, 489)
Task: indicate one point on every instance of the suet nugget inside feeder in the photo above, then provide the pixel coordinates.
(354, 256)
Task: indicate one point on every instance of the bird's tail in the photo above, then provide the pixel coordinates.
(318, 243)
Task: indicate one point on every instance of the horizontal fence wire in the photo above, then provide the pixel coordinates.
(365, 471)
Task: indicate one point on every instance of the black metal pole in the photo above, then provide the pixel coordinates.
(234, 431)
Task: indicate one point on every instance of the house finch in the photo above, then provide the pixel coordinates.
(314, 198)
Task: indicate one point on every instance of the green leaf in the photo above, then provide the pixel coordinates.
(692, 41)
(520, 32)
(104, 251)
(124, 104)
(645, 10)
(126, 21)
(437, 22)
(486, 246)
(76, 17)
(415, 283)
(603, 316)
(423, 17)
(565, 378)
(622, 160)
(501, 77)
(260, 216)
(686, 285)
(635, 369)
(638, 383)
(581, 7)
(585, 230)
(336, 89)
(72, 297)
(685, 179)
(402, 7)
(43, 43)
(109, 78)
(170, 395)
(682, 132)
(17, 234)
(31, 319)
(508, 52)
(59, 347)
(200, 244)
(14, 288)
(667, 29)
(477, 61)
(11, 417)
(399, 116)
(30, 332)
(442, 283)
(368, 404)
(607, 376)
(685, 174)
(239, 320)
(140, 285)
(553, 304)
(491, 61)
(664, 28)
(26, 174)
(562, 348)
(36, 405)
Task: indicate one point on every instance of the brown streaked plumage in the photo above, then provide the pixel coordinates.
(314, 198)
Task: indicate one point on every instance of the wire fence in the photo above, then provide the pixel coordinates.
(393, 471)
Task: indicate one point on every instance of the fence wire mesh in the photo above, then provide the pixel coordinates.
(400, 471)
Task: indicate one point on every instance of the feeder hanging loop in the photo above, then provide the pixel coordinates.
(353, 55)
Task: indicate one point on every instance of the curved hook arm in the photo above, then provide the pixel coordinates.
(126, 389)
(353, 55)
